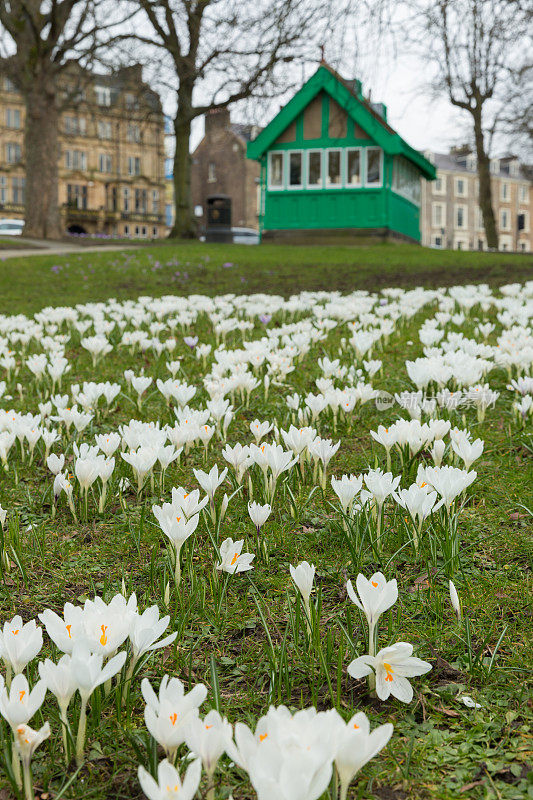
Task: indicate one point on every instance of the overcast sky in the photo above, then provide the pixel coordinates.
(423, 121)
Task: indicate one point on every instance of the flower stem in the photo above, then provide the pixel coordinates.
(28, 783)
(82, 728)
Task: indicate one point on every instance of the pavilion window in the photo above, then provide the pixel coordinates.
(353, 167)
(334, 168)
(373, 166)
(314, 169)
(275, 171)
(295, 170)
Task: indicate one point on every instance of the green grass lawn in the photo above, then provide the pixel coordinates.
(440, 748)
(29, 284)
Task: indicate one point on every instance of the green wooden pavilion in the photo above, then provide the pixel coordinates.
(333, 169)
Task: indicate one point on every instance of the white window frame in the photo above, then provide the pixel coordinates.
(464, 226)
(381, 165)
(507, 213)
(479, 219)
(505, 197)
(103, 93)
(328, 185)
(292, 186)
(13, 153)
(442, 190)
(442, 223)
(3, 189)
(132, 164)
(434, 237)
(361, 167)
(13, 119)
(314, 186)
(104, 128)
(465, 185)
(460, 240)
(523, 194)
(277, 187)
(105, 163)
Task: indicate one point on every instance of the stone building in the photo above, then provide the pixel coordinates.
(219, 166)
(451, 217)
(111, 159)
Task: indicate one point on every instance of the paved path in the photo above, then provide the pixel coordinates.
(38, 247)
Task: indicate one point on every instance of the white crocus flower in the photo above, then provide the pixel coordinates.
(374, 596)
(232, 560)
(259, 514)
(19, 643)
(169, 784)
(26, 742)
(208, 739)
(88, 672)
(347, 488)
(177, 527)
(386, 437)
(18, 704)
(447, 481)
(290, 755)
(146, 630)
(392, 667)
(467, 451)
(210, 481)
(356, 746)
(108, 442)
(168, 714)
(303, 576)
(420, 503)
(55, 463)
(260, 429)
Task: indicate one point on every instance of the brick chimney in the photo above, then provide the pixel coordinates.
(217, 119)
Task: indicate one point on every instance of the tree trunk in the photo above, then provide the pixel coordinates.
(184, 223)
(41, 159)
(485, 188)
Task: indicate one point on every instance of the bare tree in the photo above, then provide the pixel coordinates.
(41, 37)
(224, 51)
(475, 49)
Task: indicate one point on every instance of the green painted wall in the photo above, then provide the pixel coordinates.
(326, 207)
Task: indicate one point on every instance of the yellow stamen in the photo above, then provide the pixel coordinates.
(234, 559)
(103, 637)
(173, 718)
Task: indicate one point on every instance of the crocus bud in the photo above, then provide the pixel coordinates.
(437, 452)
(166, 598)
(454, 598)
(224, 507)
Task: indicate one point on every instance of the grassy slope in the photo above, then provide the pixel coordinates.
(28, 284)
(439, 747)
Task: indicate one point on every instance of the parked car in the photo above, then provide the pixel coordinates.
(245, 236)
(11, 227)
(239, 236)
